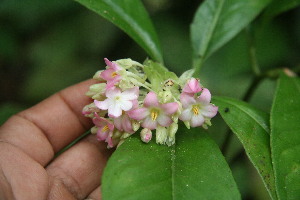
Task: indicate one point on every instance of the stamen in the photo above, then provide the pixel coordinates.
(114, 74)
(195, 109)
(154, 114)
(105, 128)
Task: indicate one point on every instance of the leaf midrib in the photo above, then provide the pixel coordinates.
(213, 26)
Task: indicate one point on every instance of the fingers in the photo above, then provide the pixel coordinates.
(20, 176)
(95, 194)
(50, 125)
(80, 168)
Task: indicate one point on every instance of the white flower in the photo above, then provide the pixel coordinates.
(118, 101)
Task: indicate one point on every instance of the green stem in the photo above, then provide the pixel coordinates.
(252, 52)
(72, 143)
(197, 63)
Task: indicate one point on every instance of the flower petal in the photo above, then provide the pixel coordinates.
(209, 111)
(109, 142)
(126, 124)
(112, 65)
(170, 108)
(187, 100)
(135, 104)
(204, 97)
(164, 120)
(149, 123)
(118, 123)
(112, 93)
(125, 105)
(192, 86)
(151, 100)
(197, 120)
(102, 135)
(114, 111)
(103, 105)
(107, 74)
(186, 115)
(131, 94)
(139, 114)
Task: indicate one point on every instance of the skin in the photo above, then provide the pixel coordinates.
(30, 139)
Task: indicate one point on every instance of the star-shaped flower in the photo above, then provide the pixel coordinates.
(196, 109)
(153, 113)
(118, 101)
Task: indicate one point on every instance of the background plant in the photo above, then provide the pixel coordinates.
(238, 50)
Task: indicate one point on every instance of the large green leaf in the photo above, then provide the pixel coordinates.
(132, 18)
(193, 168)
(218, 21)
(285, 137)
(278, 6)
(251, 126)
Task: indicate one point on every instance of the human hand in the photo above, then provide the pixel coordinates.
(30, 139)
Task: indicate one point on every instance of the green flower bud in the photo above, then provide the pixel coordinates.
(161, 135)
(97, 76)
(94, 130)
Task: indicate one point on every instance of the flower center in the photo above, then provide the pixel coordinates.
(105, 128)
(195, 109)
(114, 74)
(154, 114)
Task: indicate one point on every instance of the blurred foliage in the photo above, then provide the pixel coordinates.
(48, 45)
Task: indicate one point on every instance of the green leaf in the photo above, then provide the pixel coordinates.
(251, 126)
(278, 6)
(218, 21)
(132, 18)
(285, 137)
(193, 168)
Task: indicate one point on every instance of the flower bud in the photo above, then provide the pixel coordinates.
(161, 135)
(90, 109)
(125, 135)
(172, 130)
(187, 124)
(166, 96)
(146, 135)
(97, 76)
(135, 125)
(94, 129)
(96, 91)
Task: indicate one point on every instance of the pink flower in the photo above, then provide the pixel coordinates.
(195, 110)
(105, 128)
(118, 101)
(154, 113)
(192, 86)
(111, 74)
(124, 123)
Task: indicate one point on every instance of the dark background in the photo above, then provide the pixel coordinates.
(48, 45)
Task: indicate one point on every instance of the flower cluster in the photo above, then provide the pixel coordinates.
(130, 96)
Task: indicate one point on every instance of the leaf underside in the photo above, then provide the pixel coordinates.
(132, 18)
(251, 126)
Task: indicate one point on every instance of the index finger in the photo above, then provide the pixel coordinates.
(47, 127)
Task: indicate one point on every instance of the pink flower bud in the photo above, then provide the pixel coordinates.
(146, 135)
(192, 86)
